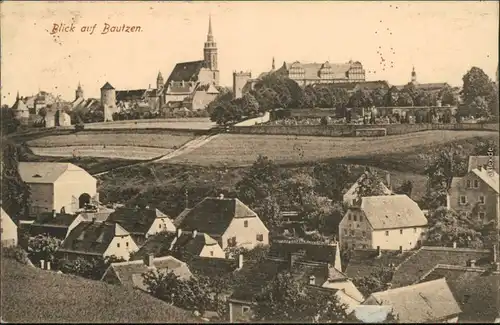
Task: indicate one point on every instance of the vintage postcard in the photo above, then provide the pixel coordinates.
(250, 162)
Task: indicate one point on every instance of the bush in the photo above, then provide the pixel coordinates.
(17, 253)
(79, 127)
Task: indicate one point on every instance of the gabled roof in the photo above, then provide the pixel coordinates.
(127, 95)
(185, 71)
(213, 215)
(477, 290)
(431, 86)
(19, 106)
(92, 238)
(212, 267)
(363, 262)
(423, 302)
(482, 161)
(47, 219)
(44, 172)
(138, 220)
(392, 211)
(352, 190)
(5, 218)
(107, 85)
(130, 273)
(312, 70)
(311, 251)
(490, 177)
(424, 259)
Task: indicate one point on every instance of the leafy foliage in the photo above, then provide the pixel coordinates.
(369, 185)
(8, 120)
(90, 268)
(379, 280)
(43, 247)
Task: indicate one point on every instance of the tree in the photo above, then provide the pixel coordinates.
(391, 97)
(331, 180)
(308, 98)
(15, 193)
(249, 105)
(8, 120)
(378, 97)
(476, 83)
(404, 100)
(43, 247)
(378, 280)
(405, 188)
(369, 185)
(447, 96)
(268, 210)
(360, 99)
(284, 300)
(90, 268)
(479, 107)
(484, 147)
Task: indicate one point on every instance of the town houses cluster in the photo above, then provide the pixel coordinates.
(430, 283)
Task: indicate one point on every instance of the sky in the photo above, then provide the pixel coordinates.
(442, 40)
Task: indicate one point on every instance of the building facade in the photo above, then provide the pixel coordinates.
(8, 230)
(391, 222)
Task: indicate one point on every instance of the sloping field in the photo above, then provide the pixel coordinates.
(30, 295)
(153, 140)
(240, 150)
(199, 123)
(118, 152)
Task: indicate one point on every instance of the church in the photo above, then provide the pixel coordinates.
(190, 86)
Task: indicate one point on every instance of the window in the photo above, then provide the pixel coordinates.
(387, 233)
(481, 200)
(476, 183)
(211, 253)
(414, 230)
(245, 224)
(463, 199)
(482, 215)
(159, 226)
(358, 225)
(355, 218)
(352, 232)
(400, 231)
(231, 242)
(245, 309)
(260, 237)
(364, 233)
(468, 184)
(126, 244)
(349, 216)
(118, 245)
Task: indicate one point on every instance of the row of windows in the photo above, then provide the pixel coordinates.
(231, 242)
(469, 183)
(351, 232)
(354, 217)
(118, 244)
(400, 231)
(463, 199)
(480, 215)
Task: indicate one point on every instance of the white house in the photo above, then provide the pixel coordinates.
(63, 187)
(98, 239)
(392, 222)
(8, 230)
(351, 195)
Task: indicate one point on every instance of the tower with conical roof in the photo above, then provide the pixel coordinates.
(210, 48)
(21, 112)
(79, 91)
(413, 76)
(108, 101)
(159, 81)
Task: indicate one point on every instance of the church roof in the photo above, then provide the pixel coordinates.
(107, 85)
(186, 71)
(124, 95)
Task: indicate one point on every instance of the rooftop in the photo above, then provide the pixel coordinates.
(138, 220)
(45, 172)
(362, 262)
(483, 161)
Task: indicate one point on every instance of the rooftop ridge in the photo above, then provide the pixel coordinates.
(297, 241)
(427, 283)
(462, 268)
(127, 262)
(461, 249)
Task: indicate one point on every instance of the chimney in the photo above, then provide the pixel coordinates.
(454, 244)
(195, 232)
(48, 265)
(221, 196)
(42, 264)
(400, 249)
(94, 219)
(472, 263)
(495, 253)
(149, 260)
(379, 253)
(312, 280)
(179, 232)
(240, 261)
(54, 213)
(388, 180)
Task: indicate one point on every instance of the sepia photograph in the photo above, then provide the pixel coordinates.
(249, 162)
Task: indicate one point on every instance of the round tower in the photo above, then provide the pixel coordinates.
(79, 92)
(108, 95)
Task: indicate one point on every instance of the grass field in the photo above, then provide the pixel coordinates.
(112, 152)
(31, 295)
(154, 140)
(241, 150)
(195, 123)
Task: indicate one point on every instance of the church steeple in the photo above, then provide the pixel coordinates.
(79, 91)
(159, 81)
(273, 66)
(210, 49)
(413, 75)
(17, 96)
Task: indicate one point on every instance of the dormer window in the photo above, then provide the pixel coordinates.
(476, 183)
(37, 176)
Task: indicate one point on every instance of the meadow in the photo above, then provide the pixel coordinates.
(113, 152)
(242, 149)
(194, 123)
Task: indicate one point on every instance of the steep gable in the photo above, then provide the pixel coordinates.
(185, 71)
(42, 172)
(138, 220)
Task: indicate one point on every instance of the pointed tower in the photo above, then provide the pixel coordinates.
(210, 49)
(159, 81)
(17, 96)
(413, 76)
(79, 91)
(273, 66)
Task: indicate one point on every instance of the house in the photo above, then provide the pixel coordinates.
(476, 195)
(476, 289)
(312, 263)
(142, 222)
(8, 231)
(130, 273)
(58, 225)
(389, 222)
(369, 314)
(426, 258)
(181, 244)
(227, 220)
(491, 162)
(98, 239)
(351, 196)
(363, 262)
(425, 302)
(58, 186)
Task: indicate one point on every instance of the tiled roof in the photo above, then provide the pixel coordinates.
(107, 85)
(312, 251)
(127, 95)
(61, 219)
(179, 89)
(212, 267)
(92, 237)
(352, 190)
(424, 302)
(392, 211)
(138, 220)
(128, 273)
(101, 215)
(489, 177)
(44, 172)
(482, 161)
(311, 70)
(424, 259)
(363, 262)
(476, 290)
(431, 86)
(213, 215)
(185, 71)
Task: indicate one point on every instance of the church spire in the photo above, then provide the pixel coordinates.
(273, 66)
(210, 36)
(17, 97)
(413, 75)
